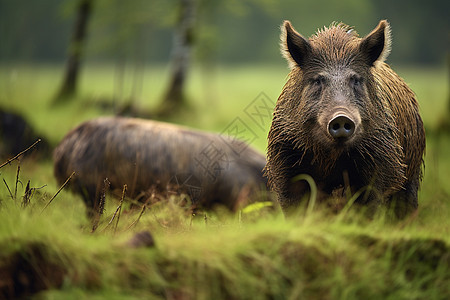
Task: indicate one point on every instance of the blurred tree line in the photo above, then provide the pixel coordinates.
(224, 31)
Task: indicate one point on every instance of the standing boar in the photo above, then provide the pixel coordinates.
(345, 118)
(210, 168)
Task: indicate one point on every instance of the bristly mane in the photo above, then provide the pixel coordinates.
(335, 45)
(336, 25)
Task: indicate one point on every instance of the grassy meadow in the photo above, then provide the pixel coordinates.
(51, 253)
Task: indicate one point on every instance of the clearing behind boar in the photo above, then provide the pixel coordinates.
(345, 118)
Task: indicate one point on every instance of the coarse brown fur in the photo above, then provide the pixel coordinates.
(337, 71)
(210, 168)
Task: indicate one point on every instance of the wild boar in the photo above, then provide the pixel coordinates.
(346, 119)
(210, 168)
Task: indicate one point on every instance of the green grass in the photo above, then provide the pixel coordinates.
(251, 254)
(225, 258)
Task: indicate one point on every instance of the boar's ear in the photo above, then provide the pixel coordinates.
(377, 44)
(294, 47)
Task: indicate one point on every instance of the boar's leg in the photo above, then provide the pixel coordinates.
(404, 202)
(298, 193)
(90, 196)
(369, 201)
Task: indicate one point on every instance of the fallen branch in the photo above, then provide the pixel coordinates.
(99, 207)
(18, 155)
(118, 210)
(17, 180)
(120, 207)
(26, 199)
(144, 207)
(59, 190)
(12, 197)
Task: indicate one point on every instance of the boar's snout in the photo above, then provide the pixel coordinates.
(341, 127)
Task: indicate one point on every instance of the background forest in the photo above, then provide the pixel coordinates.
(223, 31)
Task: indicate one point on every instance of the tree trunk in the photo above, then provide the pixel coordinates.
(182, 44)
(76, 47)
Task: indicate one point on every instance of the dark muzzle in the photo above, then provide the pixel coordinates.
(341, 127)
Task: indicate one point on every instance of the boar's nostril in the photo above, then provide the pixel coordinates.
(341, 127)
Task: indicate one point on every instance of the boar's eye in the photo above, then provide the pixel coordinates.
(356, 81)
(318, 81)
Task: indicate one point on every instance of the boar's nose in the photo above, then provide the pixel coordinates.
(341, 127)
